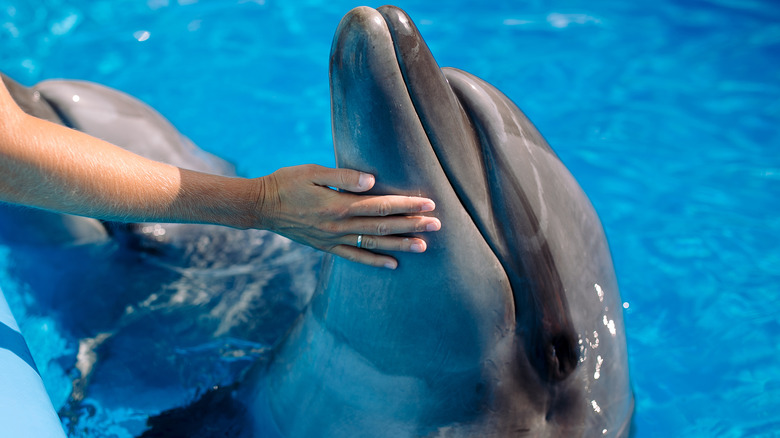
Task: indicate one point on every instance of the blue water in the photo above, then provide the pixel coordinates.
(667, 112)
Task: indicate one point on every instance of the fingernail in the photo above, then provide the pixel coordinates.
(417, 247)
(366, 181)
(428, 206)
(433, 226)
(391, 265)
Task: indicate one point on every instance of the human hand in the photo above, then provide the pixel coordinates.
(298, 203)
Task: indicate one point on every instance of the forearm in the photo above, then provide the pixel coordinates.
(52, 167)
(49, 166)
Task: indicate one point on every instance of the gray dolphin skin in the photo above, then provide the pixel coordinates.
(509, 325)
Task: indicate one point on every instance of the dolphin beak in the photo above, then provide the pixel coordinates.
(375, 128)
(384, 46)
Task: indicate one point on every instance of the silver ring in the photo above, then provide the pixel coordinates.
(360, 241)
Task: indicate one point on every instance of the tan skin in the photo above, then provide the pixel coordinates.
(52, 167)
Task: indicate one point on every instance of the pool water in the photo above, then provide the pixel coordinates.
(667, 112)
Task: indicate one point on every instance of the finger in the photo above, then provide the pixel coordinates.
(387, 243)
(365, 257)
(389, 225)
(389, 205)
(345, 179)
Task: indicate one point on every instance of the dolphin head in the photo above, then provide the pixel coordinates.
(510, 324)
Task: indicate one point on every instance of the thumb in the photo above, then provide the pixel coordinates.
(344, 179)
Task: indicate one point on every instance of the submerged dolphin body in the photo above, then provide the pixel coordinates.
(509, 325)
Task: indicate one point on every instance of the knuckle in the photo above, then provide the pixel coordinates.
(342, 212)
(369, 242)
(309, 170)
(384, 208)
(346, 178)
(381, 229)
(335, 211)
(330, 227)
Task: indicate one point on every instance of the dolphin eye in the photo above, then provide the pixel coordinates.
(562, 358)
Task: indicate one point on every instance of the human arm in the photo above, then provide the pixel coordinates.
(55, 168)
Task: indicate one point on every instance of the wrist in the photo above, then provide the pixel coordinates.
(214, 199)
(261, 208)
(248, 213)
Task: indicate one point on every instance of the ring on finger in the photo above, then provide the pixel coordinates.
(359, 241)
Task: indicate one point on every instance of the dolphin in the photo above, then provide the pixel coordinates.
(510, 324)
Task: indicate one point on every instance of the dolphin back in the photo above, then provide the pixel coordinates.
(26, 225)
(127, 122)
(115, 117)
